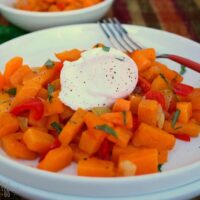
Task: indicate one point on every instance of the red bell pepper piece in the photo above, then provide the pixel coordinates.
(105, 150)
(172, 106)
(136, 123)
(157, 96)
(61, 6)
(182, 89)
(143, 84)
(57, 68)
(35, 106)
(183, 137)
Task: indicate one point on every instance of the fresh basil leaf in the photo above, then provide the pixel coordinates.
(182, 70)
(107, 49)
(11, 91)
(56, 126)
(107, 129)
(49, 64)
(50, 89)
(160, 167)
(175, 117)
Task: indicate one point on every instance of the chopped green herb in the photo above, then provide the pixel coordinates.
(160, 167)
(50, 89)
(107, 129)
(107, 49)
(56, 126)
(49, 64)
(124, 117)
(175, 118)
(164, 78)
(183, 70)
(121, 59)
(11, 91)
(178, 127)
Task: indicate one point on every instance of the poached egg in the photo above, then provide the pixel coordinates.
(98, 78)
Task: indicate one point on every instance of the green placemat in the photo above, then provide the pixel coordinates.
(8, 32)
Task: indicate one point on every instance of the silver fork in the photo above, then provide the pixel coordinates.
(114, 31)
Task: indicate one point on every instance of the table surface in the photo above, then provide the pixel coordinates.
(177, 16)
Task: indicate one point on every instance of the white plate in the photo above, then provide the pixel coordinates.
(183, 167)
(32, 21)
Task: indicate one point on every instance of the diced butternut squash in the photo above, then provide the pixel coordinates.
(72, 127)
(14, 146)
(66, 114)
(163, 69)
(55, 106)
(119, 118)
(70, 55)
(91, 120)
(26, 92)
(121, 105)
(43, 93)
(96, 168)
(8, 124)
(123, 137)
(150, 112)
(190, 128)
(149, 53)
(19, 74)
(5, 102)
(117, 151)
(196, 115)
(50, 120)
(12, 66)
(152, 137)
(185, 111)
(162, 156)
(78, 154)
(135, 100)
(143, 63)
(37, 140)
(89, 142)
(56, 159)
(145, 160)
(159, 84)
(194, 98)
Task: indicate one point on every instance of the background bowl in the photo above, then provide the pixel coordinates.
(32, 21)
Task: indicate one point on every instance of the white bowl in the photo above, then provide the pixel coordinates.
(32, 21)
(183, 167)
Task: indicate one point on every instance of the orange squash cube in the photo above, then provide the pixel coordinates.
(185, 111)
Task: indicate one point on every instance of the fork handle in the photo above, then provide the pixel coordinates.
(183, 61)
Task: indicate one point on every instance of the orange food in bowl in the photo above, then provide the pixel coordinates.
(54, 5)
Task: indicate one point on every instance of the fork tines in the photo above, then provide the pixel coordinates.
(117, 35)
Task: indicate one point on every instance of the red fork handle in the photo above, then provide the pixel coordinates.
(183, 61)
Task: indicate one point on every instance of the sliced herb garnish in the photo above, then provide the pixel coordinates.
(11, 91)
(50, 89)
(107, 129)
(175, 118)
(182, 70)
(179, 127)
(120, 59)
(56, 126)
(107, 49)
(124, 117)
(49, 64)
(164, 78)
(160, 167)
